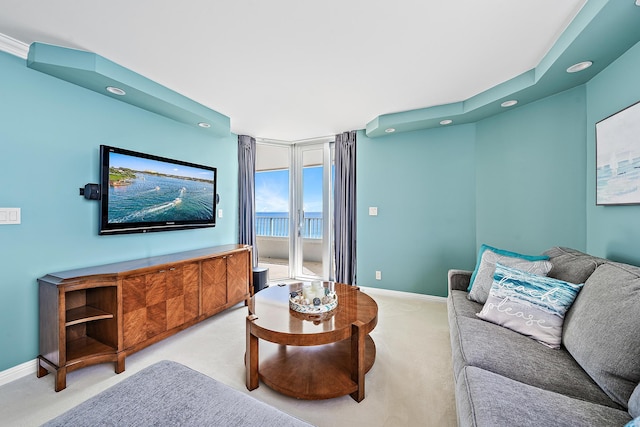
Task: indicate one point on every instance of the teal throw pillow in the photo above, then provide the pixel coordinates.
(633, 423)
(484, 277)
(634, 402)
(500, 252)
(532, 305)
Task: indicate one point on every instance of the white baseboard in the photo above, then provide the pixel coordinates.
(404, 294)
(19, 371)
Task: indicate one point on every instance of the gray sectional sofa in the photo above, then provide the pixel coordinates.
(503, 378)
(168, 393)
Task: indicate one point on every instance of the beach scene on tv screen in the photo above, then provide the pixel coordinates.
(146, 190)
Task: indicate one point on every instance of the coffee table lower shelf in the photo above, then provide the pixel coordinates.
(312, 372)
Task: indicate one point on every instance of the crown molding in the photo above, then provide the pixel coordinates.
(13, 46)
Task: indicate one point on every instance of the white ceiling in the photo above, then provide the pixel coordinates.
(295, 69)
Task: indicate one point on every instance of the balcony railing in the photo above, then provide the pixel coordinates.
(278, 226)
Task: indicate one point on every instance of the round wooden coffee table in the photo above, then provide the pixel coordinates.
(310, 356)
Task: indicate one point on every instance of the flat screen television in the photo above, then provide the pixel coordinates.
(143, 193)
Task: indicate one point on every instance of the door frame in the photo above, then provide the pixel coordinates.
(295, 163)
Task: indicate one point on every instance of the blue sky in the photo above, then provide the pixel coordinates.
(272, 190)
(141, 164)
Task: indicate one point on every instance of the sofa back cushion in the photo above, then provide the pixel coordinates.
(571, 265)
(602, 329)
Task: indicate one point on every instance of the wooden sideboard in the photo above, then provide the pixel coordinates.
(104, 313)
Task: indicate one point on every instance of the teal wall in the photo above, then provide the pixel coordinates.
(522, 180)
(530, 186)
(50, 133)
(613, 231)
(423, 184)
(515, 181)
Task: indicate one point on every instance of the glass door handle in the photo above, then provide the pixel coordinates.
(300, 221)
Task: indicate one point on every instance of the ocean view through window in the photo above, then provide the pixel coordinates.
(272, 203)
(276, 224)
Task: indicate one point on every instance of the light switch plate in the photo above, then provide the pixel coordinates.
(9, 216)
(373, 211)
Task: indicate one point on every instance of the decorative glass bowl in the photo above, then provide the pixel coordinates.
(313, 304)
(316, 318)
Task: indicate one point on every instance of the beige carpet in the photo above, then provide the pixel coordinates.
(410, 383)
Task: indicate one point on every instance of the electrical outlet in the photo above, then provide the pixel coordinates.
(378, 275)
(373, 211)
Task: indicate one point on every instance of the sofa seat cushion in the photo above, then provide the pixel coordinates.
(488, 399)
(571, 265)
(458, 307)
(508, 353)
(602, 329)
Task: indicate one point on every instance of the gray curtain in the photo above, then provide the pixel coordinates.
(345, 207)
(247, 192)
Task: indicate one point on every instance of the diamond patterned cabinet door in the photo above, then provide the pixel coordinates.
(159, 301)
(182, 294)
(214, 285)
(225, 281)
(134, 307)
(237, 277)
(191, 294)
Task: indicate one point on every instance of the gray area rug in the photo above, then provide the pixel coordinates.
(170, 394)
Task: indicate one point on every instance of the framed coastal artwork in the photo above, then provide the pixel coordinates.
(618, 158)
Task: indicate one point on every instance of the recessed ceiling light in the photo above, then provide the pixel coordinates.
(579, 66)
(509, 103)
(116, 90)
(446, 122)
(204, 125)
(390, 130)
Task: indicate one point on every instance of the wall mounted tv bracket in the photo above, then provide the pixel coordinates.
(91, 192)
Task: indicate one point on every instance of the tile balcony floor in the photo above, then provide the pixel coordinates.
(279, 268)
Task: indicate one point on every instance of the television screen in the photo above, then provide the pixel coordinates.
(143, 192)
